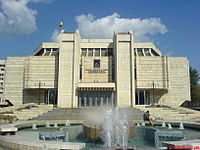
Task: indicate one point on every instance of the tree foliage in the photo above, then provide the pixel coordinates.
(194, 84)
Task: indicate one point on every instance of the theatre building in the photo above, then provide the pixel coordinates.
(76, 73)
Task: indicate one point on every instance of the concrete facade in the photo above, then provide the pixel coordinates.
(77, 72)
(2, 74)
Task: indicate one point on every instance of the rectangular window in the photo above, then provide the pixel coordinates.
(81, 72)
(139, 51)
(110, 52)
(147, 52)
(90, 52)
(104, 52)
(96, 63)
(83, 51)
(97, 52)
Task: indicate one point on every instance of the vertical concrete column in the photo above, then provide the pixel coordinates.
(124, 71)
(76, 68)
(68, 69)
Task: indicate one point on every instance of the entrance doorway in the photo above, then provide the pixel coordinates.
(142, 97)
(51, 96)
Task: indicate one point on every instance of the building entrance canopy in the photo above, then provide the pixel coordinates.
(96, 86)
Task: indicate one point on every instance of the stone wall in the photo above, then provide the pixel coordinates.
(69, 55)
(124, 70)
(91, 74)
(179, 82)
(151, 69)
(41, 68)
(2, 74)
(25, 73)
(170, 76)
(14, 79)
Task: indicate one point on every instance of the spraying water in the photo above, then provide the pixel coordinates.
(34, 127)
(55, 125)
(67, 123)
(169, 126)
(115, 129)
(47, 125)
(163, 124)
(181, 126)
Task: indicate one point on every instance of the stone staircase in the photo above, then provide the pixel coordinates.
(88, 114)
(172, 114)
(31, 113)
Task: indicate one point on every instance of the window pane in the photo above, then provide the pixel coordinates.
(90, 52)
(83, 52)
(104, 52)
(97, 52)
(96, 63)
(110, 52)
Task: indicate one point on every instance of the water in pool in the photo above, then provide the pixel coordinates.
(144, 136)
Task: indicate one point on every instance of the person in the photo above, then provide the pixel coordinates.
(148, 117)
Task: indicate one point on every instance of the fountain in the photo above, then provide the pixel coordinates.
(47, 124)
(181, 126)
(169, 126)
(54, 136)
(163, 124)
(55, 125)
(165, 135)
(34, 127)
(143, 124)
(138, 125)
(67, 123)
(114, 129)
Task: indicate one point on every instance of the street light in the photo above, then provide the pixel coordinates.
(39, 84)
(154, 85)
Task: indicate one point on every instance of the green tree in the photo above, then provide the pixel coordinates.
(194, 84)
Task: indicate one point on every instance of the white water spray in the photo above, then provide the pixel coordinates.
(115, 129)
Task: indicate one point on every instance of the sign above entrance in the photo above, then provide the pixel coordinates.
(100, 71)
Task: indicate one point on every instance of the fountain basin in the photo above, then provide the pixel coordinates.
(9, 140)
(92, 131)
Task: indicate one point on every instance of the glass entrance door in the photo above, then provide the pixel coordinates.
(142, 97)
(51, 97)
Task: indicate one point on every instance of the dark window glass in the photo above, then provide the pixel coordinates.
(83, 52)
(90, 52)
(97, 52)
(104, 52)
(81, 72)
(96, 63)
(110, 52)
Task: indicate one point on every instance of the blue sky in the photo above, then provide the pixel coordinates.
(175, 27)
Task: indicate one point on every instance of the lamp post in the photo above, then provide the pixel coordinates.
(153, 84)
(39, 84)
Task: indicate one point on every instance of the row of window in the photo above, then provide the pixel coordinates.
(109, 52)
(145, 52)
(1, 74)
(96, 52)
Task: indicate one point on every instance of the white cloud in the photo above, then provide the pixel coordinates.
(16, 18)
(143, 29)
(54, 36)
